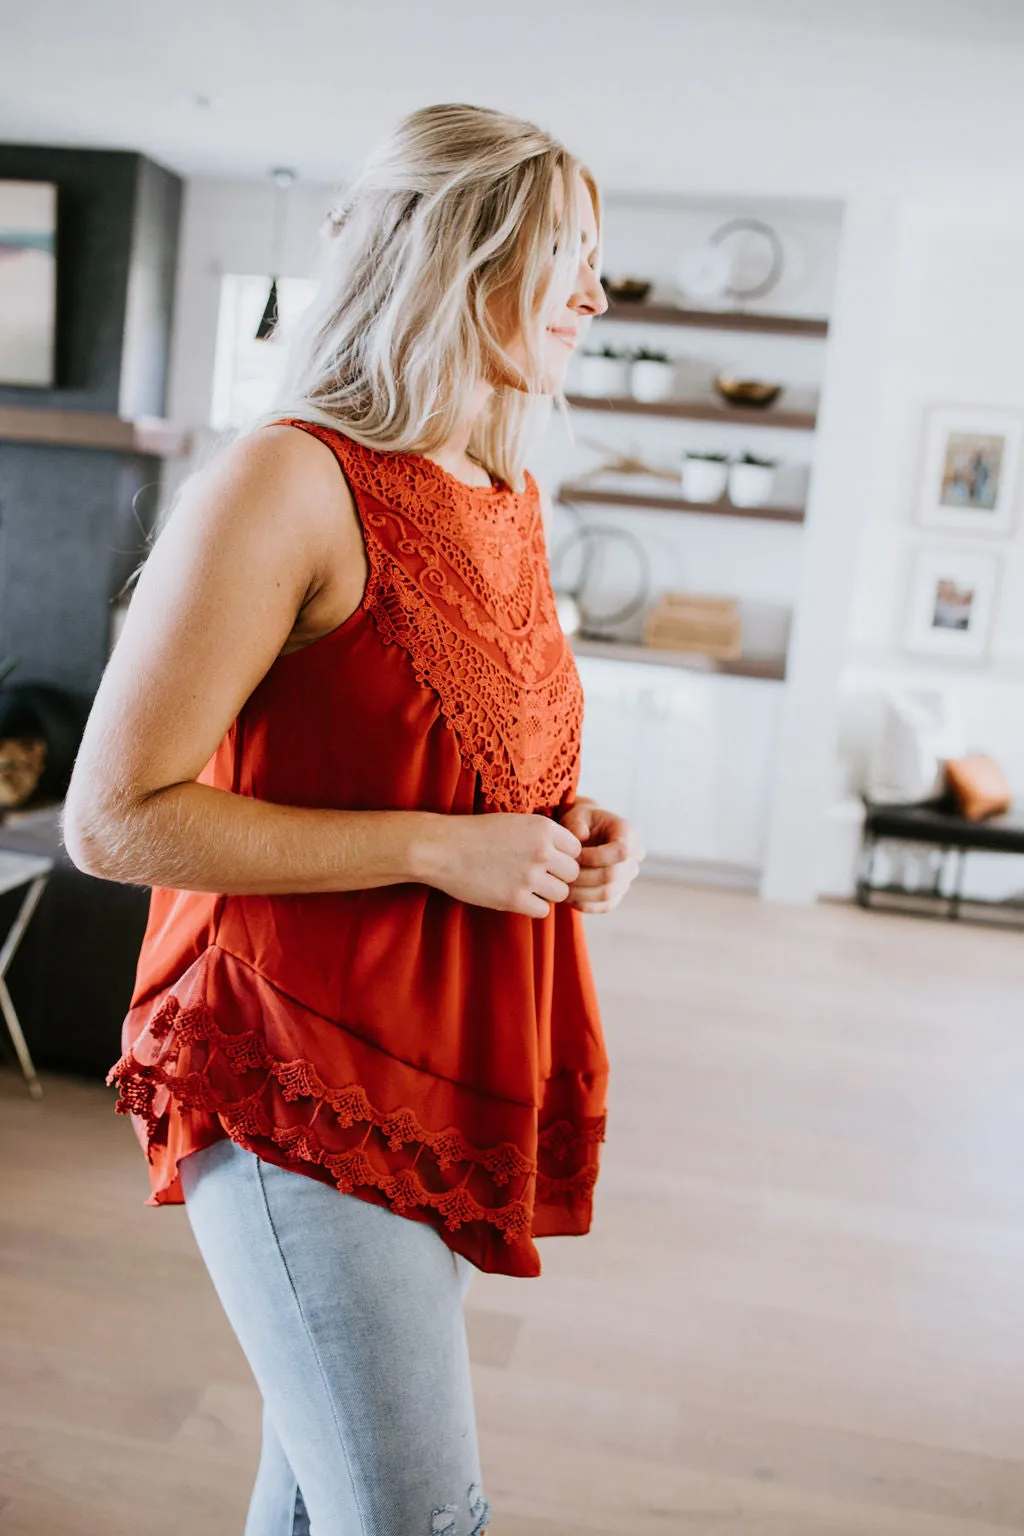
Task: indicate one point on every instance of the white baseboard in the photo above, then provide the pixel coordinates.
(734, 877)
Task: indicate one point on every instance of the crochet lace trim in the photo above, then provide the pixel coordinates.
(459, 580)
(246, 1117)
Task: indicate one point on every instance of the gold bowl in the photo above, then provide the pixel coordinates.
(756, 392)
(626, 290)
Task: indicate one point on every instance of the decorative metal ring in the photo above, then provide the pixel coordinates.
(590, 536)
(757, 227)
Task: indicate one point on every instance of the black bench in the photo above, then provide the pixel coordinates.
(937, 824)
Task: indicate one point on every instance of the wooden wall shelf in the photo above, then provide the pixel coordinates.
(150, 435)
(585, 495)
(717, 320)
(699, 410)
(769, 668)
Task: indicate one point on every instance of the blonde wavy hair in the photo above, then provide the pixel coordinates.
(451, 218)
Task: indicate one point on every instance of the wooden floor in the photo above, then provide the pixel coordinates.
(800, 1311)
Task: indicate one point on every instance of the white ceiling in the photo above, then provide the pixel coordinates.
(791, 95)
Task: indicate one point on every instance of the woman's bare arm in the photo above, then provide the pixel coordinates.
(249, 541)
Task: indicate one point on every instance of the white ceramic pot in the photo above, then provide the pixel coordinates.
(604, 375)
(704, 479)
(750, 485)
(650, 380)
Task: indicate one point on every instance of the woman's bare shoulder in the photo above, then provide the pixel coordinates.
(303, 465)
(319, 502)
(281, 482)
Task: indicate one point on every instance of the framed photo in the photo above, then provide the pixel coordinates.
(952, 603)
(28, 282)
(969, 474)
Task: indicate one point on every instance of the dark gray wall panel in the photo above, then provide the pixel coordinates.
(69, 534)
(150, 307)
(68, 540)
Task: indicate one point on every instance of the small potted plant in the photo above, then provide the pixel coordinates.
(652, 375)
(705, 476)
(604, 373)
(751, 480)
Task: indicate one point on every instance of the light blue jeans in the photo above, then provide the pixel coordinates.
(350, 1316)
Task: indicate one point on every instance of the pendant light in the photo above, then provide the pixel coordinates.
(283, 179)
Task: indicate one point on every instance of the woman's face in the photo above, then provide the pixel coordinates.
(565, 313)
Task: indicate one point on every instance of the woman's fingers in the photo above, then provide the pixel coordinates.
(601, 855)
(549, 887)
(563, 866)
(596, 906)
(591, 890)
(600, 890)
(610, 875)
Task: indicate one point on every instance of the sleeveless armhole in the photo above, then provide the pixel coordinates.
(362, 608)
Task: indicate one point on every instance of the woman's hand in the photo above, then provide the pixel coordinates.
(508, 861)
(609, 859)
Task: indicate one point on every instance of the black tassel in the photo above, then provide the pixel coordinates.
(268, 324)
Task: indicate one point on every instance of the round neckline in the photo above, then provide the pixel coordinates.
(494, 489)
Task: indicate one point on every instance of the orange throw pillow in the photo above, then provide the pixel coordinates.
(979, 785)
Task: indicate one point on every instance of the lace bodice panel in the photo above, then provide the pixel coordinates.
(459, 579)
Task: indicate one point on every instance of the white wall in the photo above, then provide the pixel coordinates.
(850, 422)
(227, 226)
(956, 336)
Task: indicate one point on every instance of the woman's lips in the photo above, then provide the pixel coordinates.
(569, 337)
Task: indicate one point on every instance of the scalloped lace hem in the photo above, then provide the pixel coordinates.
(246, 1120)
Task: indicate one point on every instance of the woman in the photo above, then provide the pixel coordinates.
(339, 738)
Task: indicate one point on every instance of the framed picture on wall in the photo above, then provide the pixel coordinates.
(28, 282)
(969, 469)
(952, 603)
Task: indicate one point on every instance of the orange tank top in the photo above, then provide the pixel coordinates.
(443, 1059)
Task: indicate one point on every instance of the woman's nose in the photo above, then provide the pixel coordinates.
(591, 299)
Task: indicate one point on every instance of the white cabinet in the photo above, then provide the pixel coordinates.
(686, 756)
